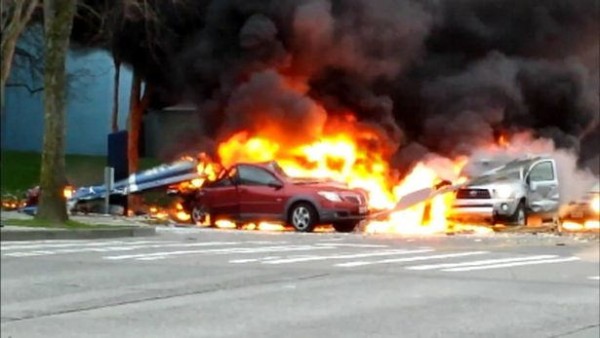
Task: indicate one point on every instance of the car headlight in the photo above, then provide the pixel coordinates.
(595, 204)
(504, 192)
(330, 196)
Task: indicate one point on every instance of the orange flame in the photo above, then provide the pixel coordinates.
(350, 155)
(68, 192)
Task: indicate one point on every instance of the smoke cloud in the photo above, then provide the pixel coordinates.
(436, 77)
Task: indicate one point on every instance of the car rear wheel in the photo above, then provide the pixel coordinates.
(345, 226)
(199, 214)
(303, 217)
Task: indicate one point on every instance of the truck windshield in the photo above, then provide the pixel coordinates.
(499, 176)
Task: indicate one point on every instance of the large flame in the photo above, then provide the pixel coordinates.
(350, 154)
(338, 146)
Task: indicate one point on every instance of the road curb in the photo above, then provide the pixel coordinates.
(31, 234)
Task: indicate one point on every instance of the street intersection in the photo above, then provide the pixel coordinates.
(227, 283)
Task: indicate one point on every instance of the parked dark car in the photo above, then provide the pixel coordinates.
(254, 192)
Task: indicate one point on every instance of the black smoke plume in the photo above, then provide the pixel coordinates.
(437, 76)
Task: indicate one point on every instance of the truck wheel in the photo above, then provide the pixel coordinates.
(303, 217)
(519, 218)
(345, 226)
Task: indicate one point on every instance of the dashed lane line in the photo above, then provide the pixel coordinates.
(347, 256)
(410, 259)
(508, 265)
(242, 250)
(477, 263)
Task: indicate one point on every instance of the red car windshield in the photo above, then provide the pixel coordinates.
(278, 169)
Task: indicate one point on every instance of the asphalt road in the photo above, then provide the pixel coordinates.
(215, 283)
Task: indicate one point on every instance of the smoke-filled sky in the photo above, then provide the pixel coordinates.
(434, 75)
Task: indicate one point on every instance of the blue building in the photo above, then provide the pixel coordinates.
(89, 103)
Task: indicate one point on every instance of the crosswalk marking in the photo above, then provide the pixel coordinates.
(347, 256)
(281, 252)
(594, 277)
(508, 265)
(410, 259)
(476, 263)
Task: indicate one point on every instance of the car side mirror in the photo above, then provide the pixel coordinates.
(276, 185)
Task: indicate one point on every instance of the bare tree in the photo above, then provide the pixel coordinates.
(27, 71)
(138, 103)
(58, 22)
(15, 16)
(115, 109)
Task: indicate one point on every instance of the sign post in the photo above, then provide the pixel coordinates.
(109, 182)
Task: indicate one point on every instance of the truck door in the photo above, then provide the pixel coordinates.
(542, 182)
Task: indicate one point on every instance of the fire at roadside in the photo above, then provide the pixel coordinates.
(356, 155)
(416, 203)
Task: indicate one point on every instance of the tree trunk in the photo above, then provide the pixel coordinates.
(115, 111)
(137, 106)
(58, 16)
(20, 13)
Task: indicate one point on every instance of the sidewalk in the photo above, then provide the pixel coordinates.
(114, 227)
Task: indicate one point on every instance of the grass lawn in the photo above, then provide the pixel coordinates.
(21, 170)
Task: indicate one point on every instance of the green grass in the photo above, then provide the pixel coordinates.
(21, 170)
(45, 224)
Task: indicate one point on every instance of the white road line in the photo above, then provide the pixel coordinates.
(351, 245)
(80, 244)
(244, 250)
(594, 277)
(250, 260)
(508, 265)
(346, 256)
(29, 253)
(115, 248)
(411, 259)
(477, 263)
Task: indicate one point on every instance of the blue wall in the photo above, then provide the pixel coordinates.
(89, 108)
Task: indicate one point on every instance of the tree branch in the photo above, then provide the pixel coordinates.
(26, 86)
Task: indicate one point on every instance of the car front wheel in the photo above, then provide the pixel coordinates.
(303, 217)
(345, 226)
(519, 218)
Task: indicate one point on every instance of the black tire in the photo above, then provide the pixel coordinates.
(348, 226)
(303, 217)
(519, 218)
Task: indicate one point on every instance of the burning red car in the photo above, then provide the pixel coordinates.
(264, 192)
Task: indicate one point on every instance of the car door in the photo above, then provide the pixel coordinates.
(542, 183)
(222, 196)
(260, 193)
